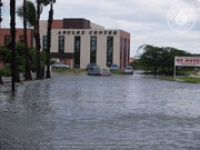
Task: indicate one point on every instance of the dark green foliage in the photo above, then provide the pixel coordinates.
(31, 13)
(20, 55)
(6, 71)
(33, 17)
(160, 59)
(6, 54)
(136, 65)
(33, 59)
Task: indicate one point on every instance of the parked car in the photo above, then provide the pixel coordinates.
(60, 66)
(105, 71)
(90, 65)
(128, 70)
(114, 67)
(94, 70)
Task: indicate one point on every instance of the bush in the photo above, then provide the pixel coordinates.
(5, 72)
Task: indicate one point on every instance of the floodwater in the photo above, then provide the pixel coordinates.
(120, 112)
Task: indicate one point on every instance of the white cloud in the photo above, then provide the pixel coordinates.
(146, 20)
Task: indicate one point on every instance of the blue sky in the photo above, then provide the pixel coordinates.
(159, 23)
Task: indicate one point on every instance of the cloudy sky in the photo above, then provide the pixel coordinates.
(174, 23)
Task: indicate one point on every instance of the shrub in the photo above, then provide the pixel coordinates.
(5, 72)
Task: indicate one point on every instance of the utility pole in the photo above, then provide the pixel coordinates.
(12, 33)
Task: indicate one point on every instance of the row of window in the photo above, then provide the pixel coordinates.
(124, 52)
(7, 39)
(77, 48)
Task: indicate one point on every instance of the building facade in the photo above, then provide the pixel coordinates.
(78, 41)
(5, 36)
(5, 39)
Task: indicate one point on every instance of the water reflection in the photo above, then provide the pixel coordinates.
(75, 110)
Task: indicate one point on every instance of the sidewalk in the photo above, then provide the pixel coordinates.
(6, 86)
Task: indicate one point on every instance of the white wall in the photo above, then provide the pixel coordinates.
(85, 44)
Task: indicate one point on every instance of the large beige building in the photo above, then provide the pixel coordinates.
(78, 42)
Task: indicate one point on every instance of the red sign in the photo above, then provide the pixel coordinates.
(187, 61)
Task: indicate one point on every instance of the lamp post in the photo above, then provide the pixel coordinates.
(12, 33)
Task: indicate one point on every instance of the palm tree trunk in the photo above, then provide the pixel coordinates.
(27, 68)
(1, 81)
(48, 74)
(37, 38)
(15, 72)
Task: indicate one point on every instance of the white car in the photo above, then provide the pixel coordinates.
(60, 66)
(99, 71)
(105, 71)
(128, 70)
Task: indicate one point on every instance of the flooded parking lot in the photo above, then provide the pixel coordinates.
(76, 111)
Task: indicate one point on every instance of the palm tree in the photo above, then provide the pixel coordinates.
(27, 68)
(1, 81)
(30, 13)
(37, 39)
(40, 3)
(1, 4)
(48, 75)
(14, 66)
(33, 19)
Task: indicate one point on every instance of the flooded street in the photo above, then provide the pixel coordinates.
(120, 112)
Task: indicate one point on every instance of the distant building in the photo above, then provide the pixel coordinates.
(77, 42)
(5, 37)
(131, 60)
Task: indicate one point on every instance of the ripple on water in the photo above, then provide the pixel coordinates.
(139, 112)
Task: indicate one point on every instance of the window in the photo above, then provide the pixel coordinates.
(7, 39)
(61, 44)
(121, 54)
(93, 49)
(125, 52)
(21, 39)
(109, 50)
(77, 46)
(44, 42)
(128, 49)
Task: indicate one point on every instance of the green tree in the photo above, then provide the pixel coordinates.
(160, 59)
(168, 57)
(151, 57)
(30, 14)
(33, 19)
(21, 59)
